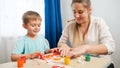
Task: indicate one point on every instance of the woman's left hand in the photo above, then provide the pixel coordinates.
(78, 51)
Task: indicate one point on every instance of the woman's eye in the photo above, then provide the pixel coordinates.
(80, 12)
(32, 25)
(74, 12)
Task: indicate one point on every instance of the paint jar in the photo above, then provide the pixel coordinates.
(23, 58)
(66, 60)
(20, 63)
(87, 57)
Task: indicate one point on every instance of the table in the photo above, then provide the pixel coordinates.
(95, 62)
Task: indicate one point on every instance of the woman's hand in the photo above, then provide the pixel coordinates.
(54, 50)
(78, 51)
(64, 49)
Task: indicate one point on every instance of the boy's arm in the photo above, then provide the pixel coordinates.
(47, 47)
(15, 57)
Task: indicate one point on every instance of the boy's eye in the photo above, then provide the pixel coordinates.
(38, 25)
(32, 25)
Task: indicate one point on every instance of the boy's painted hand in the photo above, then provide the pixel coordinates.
(35, 55)
(40, 55)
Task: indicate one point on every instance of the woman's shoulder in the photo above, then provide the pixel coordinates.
(97, 20)
(70, 23)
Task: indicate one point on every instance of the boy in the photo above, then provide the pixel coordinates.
(31, 44)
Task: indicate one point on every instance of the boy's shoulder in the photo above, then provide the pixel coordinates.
(21, 38)
(41, 36)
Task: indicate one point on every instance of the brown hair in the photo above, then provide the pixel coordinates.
(30, 15)
(87, 3)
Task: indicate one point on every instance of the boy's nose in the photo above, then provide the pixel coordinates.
(37, 27)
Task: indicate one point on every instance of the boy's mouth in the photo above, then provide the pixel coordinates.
(36, 31)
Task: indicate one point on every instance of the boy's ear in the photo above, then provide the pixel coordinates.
(24, 25)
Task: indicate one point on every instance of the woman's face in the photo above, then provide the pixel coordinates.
(81, 13)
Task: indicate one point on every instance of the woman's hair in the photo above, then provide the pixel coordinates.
(77, 34)
(30, 15)
(87, 3)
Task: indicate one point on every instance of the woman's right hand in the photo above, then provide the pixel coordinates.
(63, 49)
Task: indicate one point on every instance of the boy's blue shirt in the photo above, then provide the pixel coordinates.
(26, 45)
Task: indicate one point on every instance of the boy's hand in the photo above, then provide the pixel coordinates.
(35, 55)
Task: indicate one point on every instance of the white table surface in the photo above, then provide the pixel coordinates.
(95, 62)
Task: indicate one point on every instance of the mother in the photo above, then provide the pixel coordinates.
(85, 33)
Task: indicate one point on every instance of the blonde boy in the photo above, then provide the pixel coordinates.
(31, 43)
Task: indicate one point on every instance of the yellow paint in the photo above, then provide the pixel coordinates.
(66, 60)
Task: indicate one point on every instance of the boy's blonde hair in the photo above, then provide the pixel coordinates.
(30, 15)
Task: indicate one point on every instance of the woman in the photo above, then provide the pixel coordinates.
(86, 33)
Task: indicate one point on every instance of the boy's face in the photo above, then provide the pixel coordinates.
(33, 27)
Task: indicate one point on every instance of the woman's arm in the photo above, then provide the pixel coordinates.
(15, 57)
(91, 49)
(97, 49)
